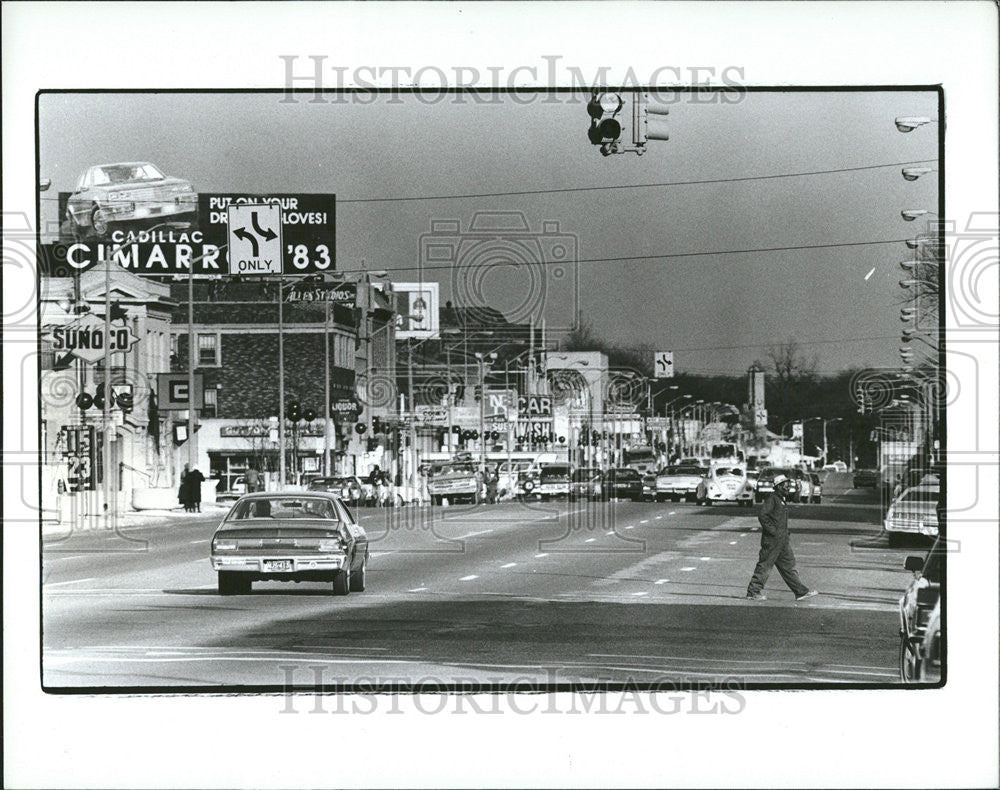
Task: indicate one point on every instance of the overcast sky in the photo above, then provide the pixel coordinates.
(716, 311)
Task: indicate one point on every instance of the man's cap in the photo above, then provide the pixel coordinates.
(778, 479)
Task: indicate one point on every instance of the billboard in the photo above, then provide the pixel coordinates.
(418, 305)
(307, 232)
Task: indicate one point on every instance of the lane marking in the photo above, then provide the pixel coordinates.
(705, 559)
(610, 532)
(659, 517)
(672, 513)
(468, 578)
(418, 589)
(661, 581)
(509, 565)
(689, 568)
(590, 540)
(630, 527)
(640, 593)
(74, 581)
(474, 534)
(206, 540)
(644, 521)
(539, 556)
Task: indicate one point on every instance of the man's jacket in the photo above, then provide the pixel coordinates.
(773, 516)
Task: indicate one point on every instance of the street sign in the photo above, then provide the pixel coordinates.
(80, 452)
(254, 238)
(85, 339)
(335, 293)
(172, 392)
(431, 415)
(663, 365)
(657, 422)
(796, 430)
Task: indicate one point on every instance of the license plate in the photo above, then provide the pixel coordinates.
(156, 209)
(277, 566)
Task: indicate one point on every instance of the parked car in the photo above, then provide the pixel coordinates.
(914, 512)
(765, 482)
(586, 483)
(508, 477)
(127, 193)
(867, 478)
(677, 482)
(349, 488)
(920, 618)
(309, 536)
(723, 483)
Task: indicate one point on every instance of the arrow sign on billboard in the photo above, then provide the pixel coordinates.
(254, 246)
(663, 364)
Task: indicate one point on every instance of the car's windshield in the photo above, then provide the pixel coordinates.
(285, 507)
(916, 495)
(771, 471)
(725, 471)
(582, 475)
(554, 471)
(625, 474)
(122, 174)
(682, 470)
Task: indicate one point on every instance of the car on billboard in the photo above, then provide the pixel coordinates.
(920, 618)
(308, 536)
(127, 193)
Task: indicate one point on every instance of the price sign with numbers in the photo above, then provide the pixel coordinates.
(305, 225)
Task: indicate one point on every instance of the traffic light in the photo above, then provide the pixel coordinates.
(294, 411)
(308, 415)
(608, 111)
(376, 425)
(125, 401)
(604, 109)
(84, 401)
(360, 428)
(478, 393)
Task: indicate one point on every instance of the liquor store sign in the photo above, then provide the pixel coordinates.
(303, 224)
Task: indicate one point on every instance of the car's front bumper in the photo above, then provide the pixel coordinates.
(126, 211)
(911, 527)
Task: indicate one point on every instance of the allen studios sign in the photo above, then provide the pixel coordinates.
(334, 293)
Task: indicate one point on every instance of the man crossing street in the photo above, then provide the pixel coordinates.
(775, 546)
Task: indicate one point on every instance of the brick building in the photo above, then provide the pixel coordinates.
(236, 336)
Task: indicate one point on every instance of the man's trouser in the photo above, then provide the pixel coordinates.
(776, 550)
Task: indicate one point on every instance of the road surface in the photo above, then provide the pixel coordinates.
(548, 593)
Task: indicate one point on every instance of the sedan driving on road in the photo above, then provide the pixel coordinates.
(127, 192)
(586, 483)
(290, 537)
(623, 482)
(722, 484)
(678, 482)
(349, 488)
(914, 512)
(867, 478)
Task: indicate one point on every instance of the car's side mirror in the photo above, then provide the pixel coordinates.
(914, 564)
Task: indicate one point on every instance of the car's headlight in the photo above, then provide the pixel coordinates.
(224, 544)
(183, 188)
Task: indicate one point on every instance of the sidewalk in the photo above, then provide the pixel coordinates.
(140, 518)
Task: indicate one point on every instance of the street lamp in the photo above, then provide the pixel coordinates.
(908, 123)
(913, 173)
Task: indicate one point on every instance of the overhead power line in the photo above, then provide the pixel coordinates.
(568, 190)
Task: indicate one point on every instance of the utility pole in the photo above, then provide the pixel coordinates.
(327, 423)
(482, 411)
(412, 415)
(281, 388)
(106, 407)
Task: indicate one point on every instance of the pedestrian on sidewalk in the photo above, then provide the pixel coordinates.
(252, 478)
(775, 546)
(194, 481)
(184, 491)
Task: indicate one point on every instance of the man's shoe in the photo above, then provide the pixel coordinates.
(810, 594)
(756, 597)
